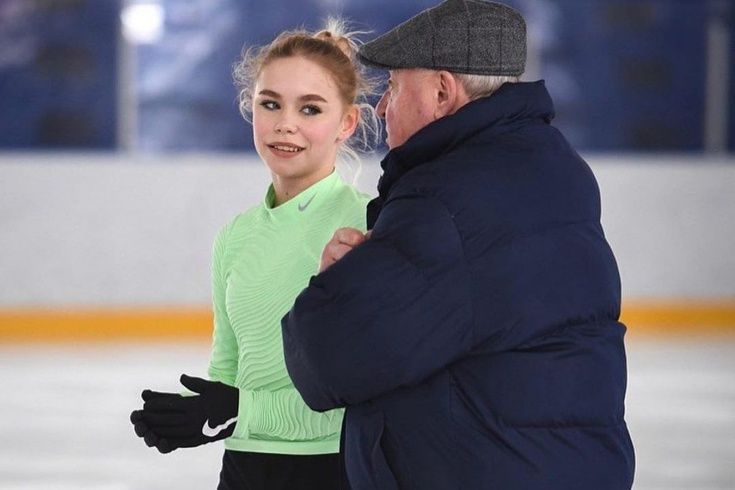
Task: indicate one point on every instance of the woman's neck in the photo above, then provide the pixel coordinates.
(285, 188)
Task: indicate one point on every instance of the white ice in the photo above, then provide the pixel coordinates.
(64, 416)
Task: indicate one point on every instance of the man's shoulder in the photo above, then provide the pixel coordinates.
(441, 177)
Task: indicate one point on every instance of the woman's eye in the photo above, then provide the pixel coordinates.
(311, 110)
(271, 105)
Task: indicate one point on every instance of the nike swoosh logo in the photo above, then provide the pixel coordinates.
(214, 431)
(302, 208)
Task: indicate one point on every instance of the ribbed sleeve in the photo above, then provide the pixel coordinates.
(260, 262)
(223, 364)
(283, 415)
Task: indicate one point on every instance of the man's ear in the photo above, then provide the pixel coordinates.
(446, 94)
(450, 94)
(349, 122)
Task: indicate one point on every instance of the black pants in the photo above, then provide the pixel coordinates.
(261, 471)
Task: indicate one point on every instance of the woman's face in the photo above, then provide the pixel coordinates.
(299, 120)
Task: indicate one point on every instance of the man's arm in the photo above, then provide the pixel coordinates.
(388, 314)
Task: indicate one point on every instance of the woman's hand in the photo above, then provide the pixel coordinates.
(169, 421)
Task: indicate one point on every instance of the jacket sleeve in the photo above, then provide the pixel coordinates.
(390, 313)
(224, 357)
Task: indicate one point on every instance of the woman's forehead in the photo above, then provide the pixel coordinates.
(296, 77)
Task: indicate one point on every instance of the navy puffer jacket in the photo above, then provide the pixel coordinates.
(474, 338)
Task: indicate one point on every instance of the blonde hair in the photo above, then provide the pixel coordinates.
(333, 48)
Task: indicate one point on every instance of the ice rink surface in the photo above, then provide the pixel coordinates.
(64, 416)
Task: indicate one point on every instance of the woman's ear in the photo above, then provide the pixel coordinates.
(349, 123)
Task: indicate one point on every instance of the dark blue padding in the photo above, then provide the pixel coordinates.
(474, 338)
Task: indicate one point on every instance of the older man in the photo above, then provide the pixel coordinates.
(473, 336)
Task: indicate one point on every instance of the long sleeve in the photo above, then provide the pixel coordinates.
(271, 415)
(282, 415)
(223, 362)
(390, 313)
(261, 260)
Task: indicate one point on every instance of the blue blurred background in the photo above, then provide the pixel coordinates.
(155, 75)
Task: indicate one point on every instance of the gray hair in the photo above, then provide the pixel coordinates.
(478, 86)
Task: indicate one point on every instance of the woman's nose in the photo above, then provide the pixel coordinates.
(285, 125)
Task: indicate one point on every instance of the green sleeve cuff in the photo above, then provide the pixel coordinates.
(244, 414)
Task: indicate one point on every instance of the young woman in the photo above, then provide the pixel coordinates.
(304, 93)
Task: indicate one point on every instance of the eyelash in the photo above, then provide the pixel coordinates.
(272, 105)
(269, 104)
(313, 110)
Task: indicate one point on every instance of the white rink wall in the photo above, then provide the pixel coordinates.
(121, 230)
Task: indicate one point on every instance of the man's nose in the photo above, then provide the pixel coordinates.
(380, 106)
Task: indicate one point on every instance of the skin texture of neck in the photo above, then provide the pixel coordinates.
(286, 189)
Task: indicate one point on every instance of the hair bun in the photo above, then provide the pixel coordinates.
(341, 42)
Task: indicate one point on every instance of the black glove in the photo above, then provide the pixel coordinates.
(169, 421)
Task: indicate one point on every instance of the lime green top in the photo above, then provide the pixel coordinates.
(261, 261)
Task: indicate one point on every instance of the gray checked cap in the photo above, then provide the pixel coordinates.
(460, 36)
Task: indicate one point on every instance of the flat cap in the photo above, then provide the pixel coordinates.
(461, 36)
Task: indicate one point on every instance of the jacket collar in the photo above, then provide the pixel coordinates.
(509, 107)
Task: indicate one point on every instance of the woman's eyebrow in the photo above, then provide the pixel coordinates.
(303, 98)
(312, 97)
(270, 93)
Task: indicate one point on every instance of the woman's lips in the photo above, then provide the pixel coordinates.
(285, 150)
